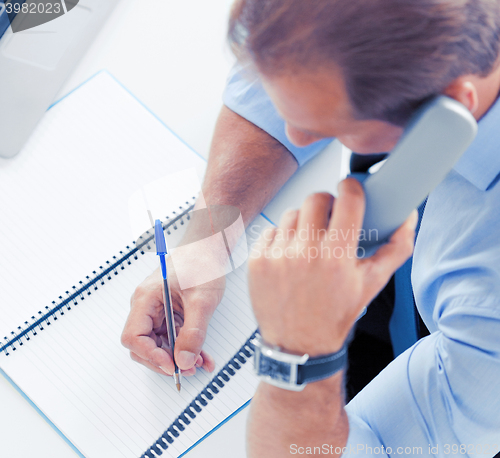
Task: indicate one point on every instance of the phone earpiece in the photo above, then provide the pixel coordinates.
(432, 143)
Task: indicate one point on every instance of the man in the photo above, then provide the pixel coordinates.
(357, 70)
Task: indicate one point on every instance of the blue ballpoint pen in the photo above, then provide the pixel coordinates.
(161, 251)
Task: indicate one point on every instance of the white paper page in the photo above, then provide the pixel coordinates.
(65, 203)
(79, 375)
(64, 198)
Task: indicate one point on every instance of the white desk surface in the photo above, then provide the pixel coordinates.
(172, 55)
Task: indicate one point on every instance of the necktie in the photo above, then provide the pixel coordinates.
(405, 323)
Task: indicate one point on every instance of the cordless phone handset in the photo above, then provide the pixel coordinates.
(432, 143)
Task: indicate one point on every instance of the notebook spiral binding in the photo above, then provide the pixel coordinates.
(84, 288)
(206, 395)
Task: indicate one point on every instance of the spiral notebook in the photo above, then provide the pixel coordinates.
(68, 270)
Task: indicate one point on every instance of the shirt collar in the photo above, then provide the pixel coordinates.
(480, 164)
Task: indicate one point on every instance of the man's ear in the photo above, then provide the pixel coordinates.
(465, 92)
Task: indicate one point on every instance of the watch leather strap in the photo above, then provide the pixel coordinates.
(321, 367)
(291, 371)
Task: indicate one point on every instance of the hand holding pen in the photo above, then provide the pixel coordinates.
(145, 332)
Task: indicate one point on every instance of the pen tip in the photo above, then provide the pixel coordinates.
(178, 385)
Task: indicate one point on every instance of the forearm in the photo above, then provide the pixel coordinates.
(246, 166)
(281, 421)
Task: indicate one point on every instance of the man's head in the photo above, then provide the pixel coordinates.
(370, 62)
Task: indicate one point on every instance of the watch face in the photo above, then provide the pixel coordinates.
(275, 369)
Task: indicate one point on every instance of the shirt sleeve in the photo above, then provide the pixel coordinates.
(362, 441)
(441, 397)
(245, 96)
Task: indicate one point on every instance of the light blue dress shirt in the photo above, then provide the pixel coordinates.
(441, 397)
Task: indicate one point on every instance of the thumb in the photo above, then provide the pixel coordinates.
(191, 337)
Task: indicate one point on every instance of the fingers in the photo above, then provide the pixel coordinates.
(208, 362)
(145, 336)
(315, 213)
(349, 210)
(146, 316)
(144, 362)
(145, 347)
(264, 241)
(393, 254)
(188, 346)
(268, 236)
(165, 371)
(289, 220)
(287, 228)
(192, 334)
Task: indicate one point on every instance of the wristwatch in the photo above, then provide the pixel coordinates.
(294, 372)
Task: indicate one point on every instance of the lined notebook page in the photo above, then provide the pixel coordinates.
(64, 217)
(64, 198)
(80, 376)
